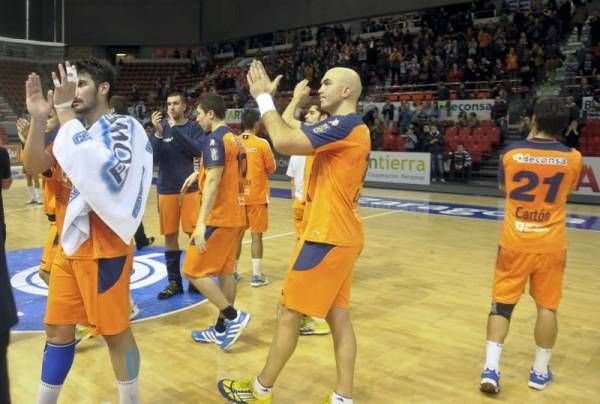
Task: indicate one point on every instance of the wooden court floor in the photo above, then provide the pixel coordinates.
(420, 301)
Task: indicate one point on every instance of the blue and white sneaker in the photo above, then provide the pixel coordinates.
(539, 381)
(207, 336)
(233, 330)
(260, 280)
(490, 381)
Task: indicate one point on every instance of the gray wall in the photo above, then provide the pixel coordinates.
(228, 19)
(181, 22)
(132, 22)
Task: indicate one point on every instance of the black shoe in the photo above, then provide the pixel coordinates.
(192, 290)
(149, 242)
(172, 289)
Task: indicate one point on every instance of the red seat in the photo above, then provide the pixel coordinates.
(487, 123)
(494, 134)
(389, 141)
(400, 143)
(451, 131)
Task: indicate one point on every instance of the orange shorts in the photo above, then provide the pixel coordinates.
(218, 259)
(90, 292)
(319, 278)
(298, 212)
(50, 248)
(258, 218)
(173, 208)
(544, 271)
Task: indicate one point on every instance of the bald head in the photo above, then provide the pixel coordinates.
(348, 78)
(340, 90)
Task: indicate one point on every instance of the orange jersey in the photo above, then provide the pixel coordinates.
(537, 175)
(261, 163)
(50, 185)
(222, 149)
(342, 145)
(103, 242)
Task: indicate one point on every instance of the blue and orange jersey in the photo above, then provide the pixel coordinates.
(342, 145)
(50, 181)
(261, 163)
(537, 175)
(223, 149)
(174, 155)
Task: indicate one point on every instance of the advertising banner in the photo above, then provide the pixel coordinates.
(399, 167)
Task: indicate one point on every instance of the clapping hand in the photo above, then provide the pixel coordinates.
(259, 82)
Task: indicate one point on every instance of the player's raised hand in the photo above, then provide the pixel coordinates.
(259, 82)
(302, 92)
(65, 84)
(38, 106)
(156, 118)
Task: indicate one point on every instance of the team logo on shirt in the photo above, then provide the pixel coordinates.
(335, 122)
(214, 153)
(149, 276)
(525, 158)
(321, 128)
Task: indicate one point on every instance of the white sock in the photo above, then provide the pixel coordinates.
(337, 399)
(48, 393)
(259, 389)
(36, 193)
(129, 392)
(256, 264)
(30, 192)
(542, 358)
(235, 265)
(493, 351)
(131, 301)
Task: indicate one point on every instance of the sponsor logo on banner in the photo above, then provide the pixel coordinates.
(233, 116)
(399, 167)
(590, 108)
(450, 110)
(589, 182)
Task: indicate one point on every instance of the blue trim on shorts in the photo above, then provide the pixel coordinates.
(311, 255)
(109, 272)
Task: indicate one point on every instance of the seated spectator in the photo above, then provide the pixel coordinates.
(411, 139)
(443, 94)
(572, 135)
(420, 116)
(472, 121)
(461, 163)
(434, 111)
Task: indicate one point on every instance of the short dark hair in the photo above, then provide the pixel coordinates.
(176, 94)
(249, 119)
(99, 70)
(551, 115)
(321, 111)
(119, 104)
(212, 102)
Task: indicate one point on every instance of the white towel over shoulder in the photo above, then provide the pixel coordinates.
(110, 167)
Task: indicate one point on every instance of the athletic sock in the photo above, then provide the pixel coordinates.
(259, 389)
(542, 358)
(256, 266)
(229, 313)
(220, 325)
(337, 399)
(129, 392)
(492, 357)
(172, 259)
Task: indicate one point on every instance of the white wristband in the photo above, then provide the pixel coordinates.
(265, 103)
(64, 105)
